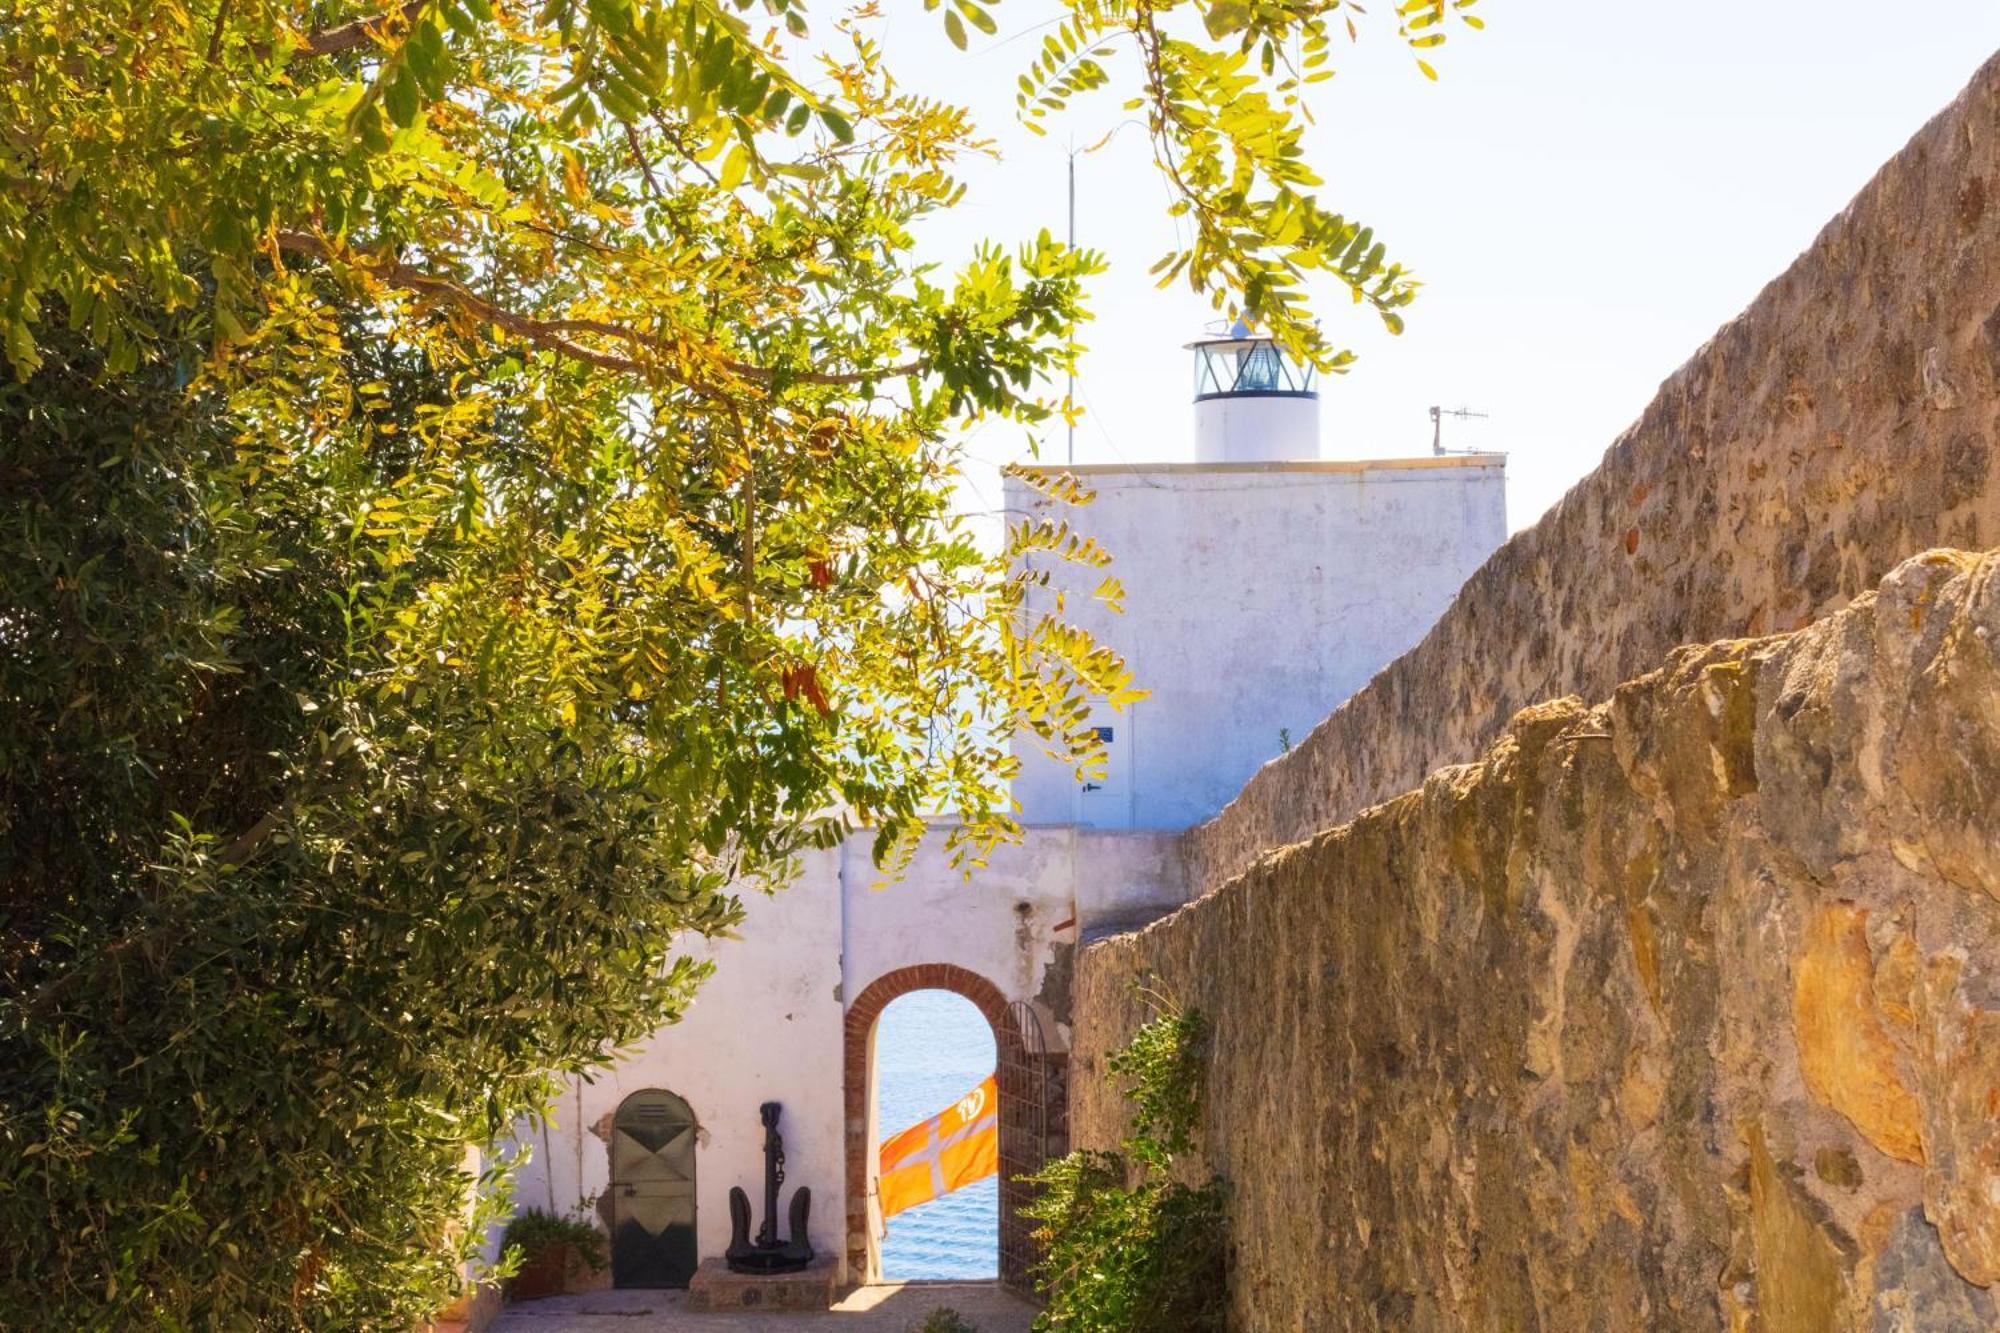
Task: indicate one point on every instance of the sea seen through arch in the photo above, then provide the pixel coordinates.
(931, 1048)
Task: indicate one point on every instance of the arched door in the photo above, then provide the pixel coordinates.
(652, 1191)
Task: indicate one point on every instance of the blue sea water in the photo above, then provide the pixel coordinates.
(931, 1048)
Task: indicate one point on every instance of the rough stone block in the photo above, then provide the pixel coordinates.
(716, 1290)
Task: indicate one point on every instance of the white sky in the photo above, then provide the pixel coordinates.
(1590, 191)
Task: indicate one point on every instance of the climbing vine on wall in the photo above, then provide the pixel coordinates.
(1131, 1246)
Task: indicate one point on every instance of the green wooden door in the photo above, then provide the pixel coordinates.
(652, 1191)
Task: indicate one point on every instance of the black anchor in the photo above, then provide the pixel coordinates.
(767, 1254)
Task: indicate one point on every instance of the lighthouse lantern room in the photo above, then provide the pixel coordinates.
(1253, 403)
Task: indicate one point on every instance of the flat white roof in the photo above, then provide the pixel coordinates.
(1417, 464)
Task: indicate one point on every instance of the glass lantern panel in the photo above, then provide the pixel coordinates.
(1248, 368)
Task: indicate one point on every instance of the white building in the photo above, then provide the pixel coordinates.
(1263, 585)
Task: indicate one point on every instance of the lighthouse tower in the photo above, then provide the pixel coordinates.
(1253, 403)
(1261, 585)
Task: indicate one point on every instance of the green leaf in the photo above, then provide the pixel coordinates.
(461, 18)
(954, 28)
(734, 167)
(428, 59)
(978, 17)
(401, 96)
(621, 99)
(367, 125)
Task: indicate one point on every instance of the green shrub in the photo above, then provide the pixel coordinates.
(328, 845)
(534, 1231)
(944, 1319)
(1131, 1249)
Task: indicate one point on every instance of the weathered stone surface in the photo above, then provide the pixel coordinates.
(1844, 1050)
(1843, 422)
(1681, 1011)
(716, 1290)
(1916, 1291)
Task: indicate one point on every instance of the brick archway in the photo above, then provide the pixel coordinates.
(1016, 1247)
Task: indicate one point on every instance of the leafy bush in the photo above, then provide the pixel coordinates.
(1131, 1249)
(944, 1319)
(330, 826)
(534, 1231)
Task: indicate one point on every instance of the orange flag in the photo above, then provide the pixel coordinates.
(953, 1148)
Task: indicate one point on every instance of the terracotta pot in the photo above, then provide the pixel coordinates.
(543, 1273)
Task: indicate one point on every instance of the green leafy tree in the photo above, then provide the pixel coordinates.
(474, 486)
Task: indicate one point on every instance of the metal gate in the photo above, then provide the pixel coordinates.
(1034, 1130)
(652, 1191)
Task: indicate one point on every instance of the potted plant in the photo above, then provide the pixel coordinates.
(548, 1247)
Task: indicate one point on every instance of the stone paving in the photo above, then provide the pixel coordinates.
(885, 1308)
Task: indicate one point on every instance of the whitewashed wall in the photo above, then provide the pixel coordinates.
(768, 1025)
(1258, 596)
(1005, 921)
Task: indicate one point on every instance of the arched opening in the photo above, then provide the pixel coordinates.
(932, 1048)
(652, 1191)
(1026, 1096)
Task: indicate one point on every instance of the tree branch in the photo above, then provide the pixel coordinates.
(555, 335)
(215, 35)
(359, 32)
(237, 853)
(645, 167)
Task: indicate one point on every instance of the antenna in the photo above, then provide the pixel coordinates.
(1069, 401)
(1074, 153)
(1438, 414)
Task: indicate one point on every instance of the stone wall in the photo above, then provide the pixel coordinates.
(1845, 421)
(1677, 1012)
